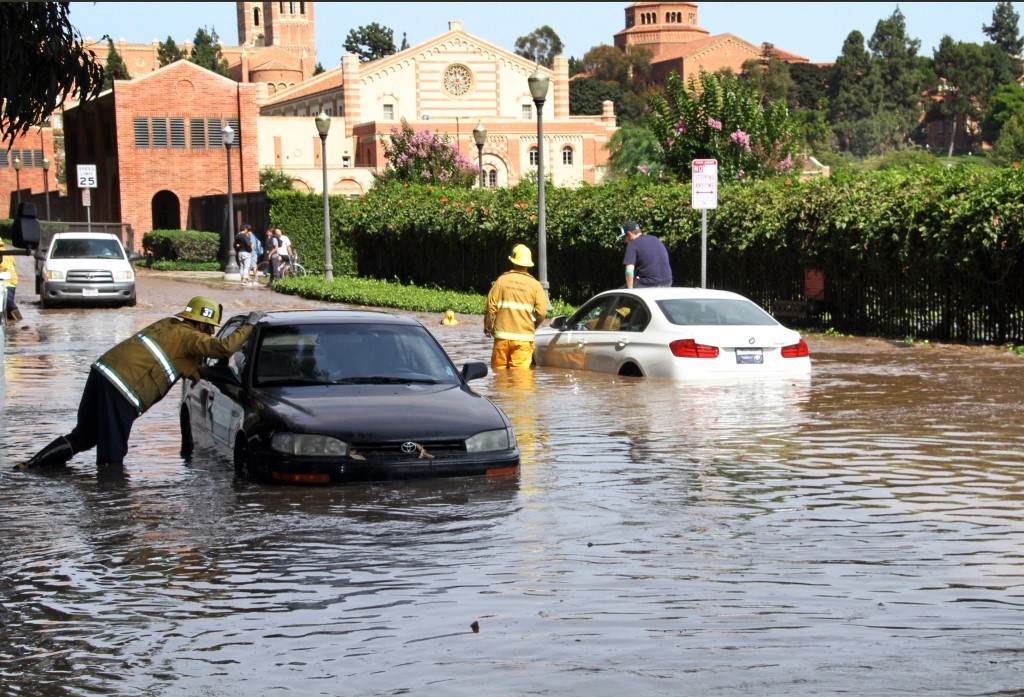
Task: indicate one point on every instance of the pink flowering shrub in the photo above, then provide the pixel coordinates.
(426, 158)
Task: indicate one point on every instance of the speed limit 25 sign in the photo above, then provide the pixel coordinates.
(87, 177)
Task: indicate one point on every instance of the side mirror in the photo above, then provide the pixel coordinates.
(220, 375)
(40, 254)
(473, 370)
(25, 232)
(135, 256)
(558, 322)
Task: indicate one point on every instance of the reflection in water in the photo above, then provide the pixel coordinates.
(857, 532)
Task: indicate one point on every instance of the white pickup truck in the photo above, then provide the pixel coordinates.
(85, 268)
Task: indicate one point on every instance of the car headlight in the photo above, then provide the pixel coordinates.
(308, 445)
(502, 439)
(124, 275)
(54, 275)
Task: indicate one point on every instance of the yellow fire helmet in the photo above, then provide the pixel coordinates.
(202, 309)
(449, 318)
(521, 255)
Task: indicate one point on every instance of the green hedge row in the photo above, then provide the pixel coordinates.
(188, 246)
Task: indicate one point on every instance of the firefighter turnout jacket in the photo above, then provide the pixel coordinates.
(145, 366)
(516, 305)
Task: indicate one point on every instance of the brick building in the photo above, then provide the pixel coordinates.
(36, 175)
(678, 44)
(156, 144)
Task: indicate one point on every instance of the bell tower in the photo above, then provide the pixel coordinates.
(288, 25)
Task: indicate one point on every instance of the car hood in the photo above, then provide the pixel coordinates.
(379, 412)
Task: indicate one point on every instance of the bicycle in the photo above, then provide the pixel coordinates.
(292, 268)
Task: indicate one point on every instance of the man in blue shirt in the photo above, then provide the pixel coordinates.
(646, 259)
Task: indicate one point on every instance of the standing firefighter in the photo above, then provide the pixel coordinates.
(136, 374)
(516, 305)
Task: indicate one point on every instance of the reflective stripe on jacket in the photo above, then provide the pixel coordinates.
(145, 366)
(516, 304)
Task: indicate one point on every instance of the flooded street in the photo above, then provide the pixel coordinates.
(856, 533)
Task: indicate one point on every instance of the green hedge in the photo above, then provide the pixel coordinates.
(187, 246)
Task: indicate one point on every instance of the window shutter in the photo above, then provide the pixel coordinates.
(178, 133)
(141, 133)
(159, 133)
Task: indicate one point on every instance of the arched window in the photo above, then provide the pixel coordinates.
(567, 155)
(533, 156)
(256, 17)
(492, 178)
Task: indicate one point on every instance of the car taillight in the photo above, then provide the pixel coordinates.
(797, 350)
(688, 348)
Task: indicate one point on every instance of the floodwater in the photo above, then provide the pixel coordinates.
(856, 533)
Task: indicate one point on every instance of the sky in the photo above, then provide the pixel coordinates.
(814, 30)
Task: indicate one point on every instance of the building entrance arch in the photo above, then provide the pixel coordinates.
(166, 211)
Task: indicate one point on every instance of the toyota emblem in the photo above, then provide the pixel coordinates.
(409, 447)
(750, 341)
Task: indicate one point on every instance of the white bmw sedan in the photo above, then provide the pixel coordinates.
(680, 333)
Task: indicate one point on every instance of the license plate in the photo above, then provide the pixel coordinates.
(749, 356)
(90, 291)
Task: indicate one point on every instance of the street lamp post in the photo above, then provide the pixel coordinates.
(46, 184)
(227, 137)
(323, 125)
(17, 176)
(480, 137)
(539, 91)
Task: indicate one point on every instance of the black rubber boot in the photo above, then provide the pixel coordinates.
(56, 454)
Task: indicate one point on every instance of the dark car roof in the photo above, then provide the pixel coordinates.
(278, 317)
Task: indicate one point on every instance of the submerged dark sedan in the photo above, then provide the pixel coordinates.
(345, 395)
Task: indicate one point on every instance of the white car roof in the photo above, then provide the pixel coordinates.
(662, 293)
(85, 235)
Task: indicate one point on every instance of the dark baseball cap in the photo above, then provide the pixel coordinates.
(628, 226)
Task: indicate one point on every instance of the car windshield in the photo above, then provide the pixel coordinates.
(357, 353)
(86, 249)
(723, 312)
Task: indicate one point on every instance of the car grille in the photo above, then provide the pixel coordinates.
(90, 276)
(392, 451)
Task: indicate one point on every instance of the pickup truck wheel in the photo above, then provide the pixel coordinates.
(131, 303)
(43, 302)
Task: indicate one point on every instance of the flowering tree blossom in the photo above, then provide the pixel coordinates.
(717, 117)
(425, 157)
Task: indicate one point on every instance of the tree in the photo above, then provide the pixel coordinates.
(587, 95)
(1010, 146)
(273, 179)
(855, 91)
(809, 88)
(168, 52)
(370, 42)
(541, 46)
(902, 81)
(1006, 101)
(967, 77)
(1004, 32)
(720, 118)
(425, 158)
(768, 74)
(115, 68)
(635, 152)
(606, 63)
(47, 63)
(206, 52)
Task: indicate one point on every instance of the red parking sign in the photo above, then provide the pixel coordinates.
(704, 184)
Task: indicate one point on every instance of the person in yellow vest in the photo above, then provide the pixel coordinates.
(516, 306)
(9, 282)
(136, 374)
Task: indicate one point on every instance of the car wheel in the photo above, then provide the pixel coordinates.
(631, 370)
(243, 464)
(187, 443)
(43, 302)
(132, 302)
